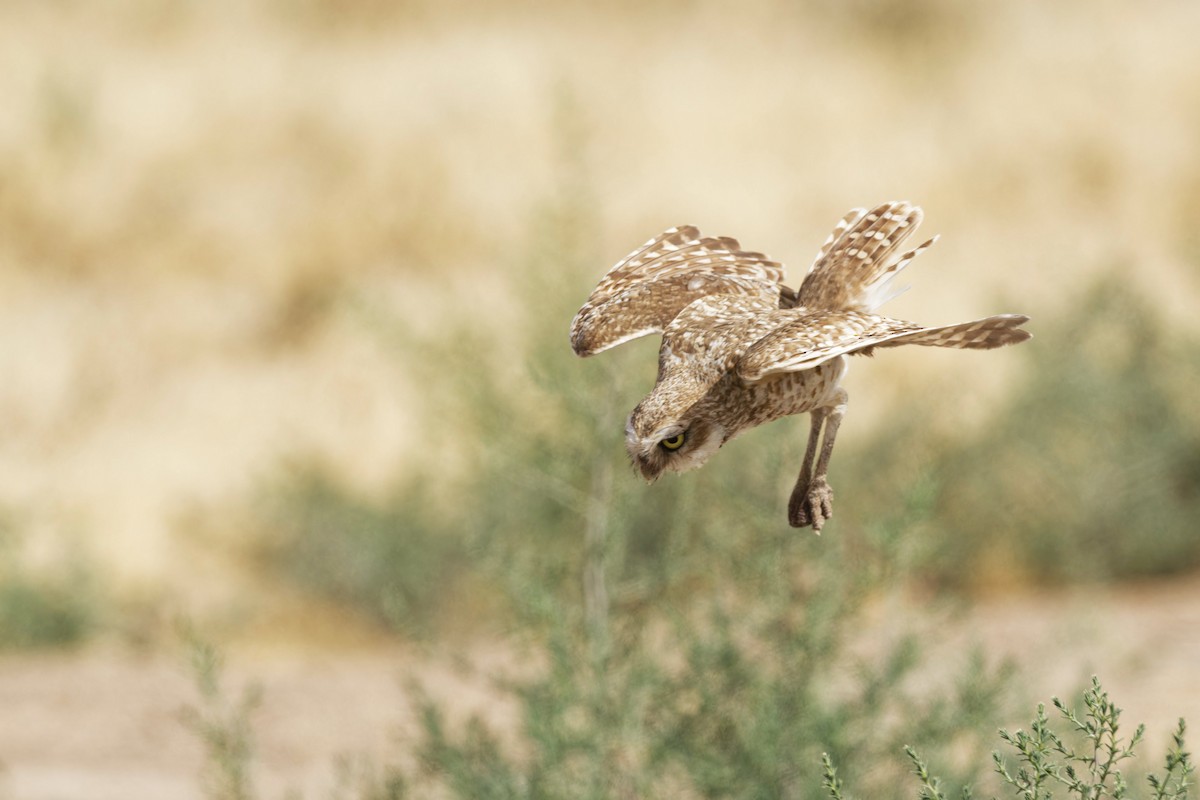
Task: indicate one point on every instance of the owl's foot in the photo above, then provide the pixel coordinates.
(811, 505)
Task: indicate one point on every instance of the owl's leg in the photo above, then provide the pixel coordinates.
(812, 499)
(798, 516)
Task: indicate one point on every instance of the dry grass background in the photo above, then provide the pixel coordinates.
(198, 199)
(189, 192)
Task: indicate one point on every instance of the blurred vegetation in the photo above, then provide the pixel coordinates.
(224, 726)
(691, 643)
(57, 605)
(1090, 760)
(730, 695)
(1089, 471)
(391, 559)
(684, 640)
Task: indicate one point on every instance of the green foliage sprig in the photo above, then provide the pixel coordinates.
(1085, 761)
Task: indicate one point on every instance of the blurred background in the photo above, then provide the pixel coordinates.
(284, 292)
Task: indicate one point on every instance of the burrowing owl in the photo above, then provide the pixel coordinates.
(739, 348)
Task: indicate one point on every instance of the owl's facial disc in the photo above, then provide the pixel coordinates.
(677, 447)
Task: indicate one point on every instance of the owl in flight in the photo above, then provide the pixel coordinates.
(740, 348)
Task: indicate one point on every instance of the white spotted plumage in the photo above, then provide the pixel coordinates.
(740, 348)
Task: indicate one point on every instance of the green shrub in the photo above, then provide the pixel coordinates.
(593, 750)
(1087, 472)
(51, 607)
(689, 643)
(390, 559)
(1085, 762)
(693, 644)
(36, 613)
(223, 726)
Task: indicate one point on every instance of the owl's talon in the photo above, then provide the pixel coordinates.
(811, 505)
(798, 516)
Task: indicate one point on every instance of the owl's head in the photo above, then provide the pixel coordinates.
(659, 442)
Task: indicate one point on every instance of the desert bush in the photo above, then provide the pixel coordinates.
(687, 642)
(1084, 762)
(224, 726)
(1087, 761)
(1087, 472)
(721, 698)
(392, 558)
(693, 644)
(53, 606)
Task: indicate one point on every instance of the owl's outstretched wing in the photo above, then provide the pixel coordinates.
(649, 287)
(801, 340)
(857, 264)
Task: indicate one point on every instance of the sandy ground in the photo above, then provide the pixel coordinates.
(105, 722)
(109, 723)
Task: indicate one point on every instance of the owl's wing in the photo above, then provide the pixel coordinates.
(856, 266)
(800, 339)
(650, 286)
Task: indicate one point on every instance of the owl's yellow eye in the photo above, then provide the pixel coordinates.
(674, 443)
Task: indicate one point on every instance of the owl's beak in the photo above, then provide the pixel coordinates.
(646, 466)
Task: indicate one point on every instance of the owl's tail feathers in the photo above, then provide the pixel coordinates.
(981, 334)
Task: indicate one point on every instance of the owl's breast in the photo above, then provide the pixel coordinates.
(742, 405)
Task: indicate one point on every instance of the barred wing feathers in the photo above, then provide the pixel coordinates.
(803, 340)
(649, 287)
(855, 267)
